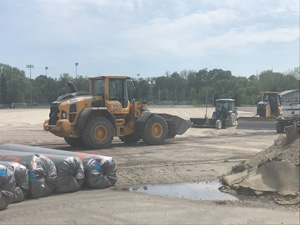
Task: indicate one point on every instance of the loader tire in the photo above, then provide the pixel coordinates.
(130, 139)
(75, 142)
(279, 128)
(232, 119)
(218, 124)
(155, 130)
(98, 133)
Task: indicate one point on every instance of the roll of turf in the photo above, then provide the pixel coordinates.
(21, 178)
(70, 173)
(7, 186)
(100, 171)
(42, 172)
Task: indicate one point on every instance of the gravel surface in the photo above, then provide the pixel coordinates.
(197, 155)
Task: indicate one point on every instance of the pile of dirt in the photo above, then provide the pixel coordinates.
(272, 172)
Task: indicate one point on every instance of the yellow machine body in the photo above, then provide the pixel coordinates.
(106, 109)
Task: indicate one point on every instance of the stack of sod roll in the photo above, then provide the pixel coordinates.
(37, 172)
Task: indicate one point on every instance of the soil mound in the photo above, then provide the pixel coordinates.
(273, 172)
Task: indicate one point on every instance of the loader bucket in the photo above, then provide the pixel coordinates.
(256, 123)
(176, 125)
(203, 122)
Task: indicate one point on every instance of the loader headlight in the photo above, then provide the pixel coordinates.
(63, 114)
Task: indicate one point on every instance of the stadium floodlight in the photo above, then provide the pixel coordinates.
(30, 67)
(76, 64)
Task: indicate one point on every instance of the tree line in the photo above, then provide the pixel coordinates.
(185, 87)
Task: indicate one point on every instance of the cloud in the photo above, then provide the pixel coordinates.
(250, 35)
(158, 31)
(202, 33)
(284, 6)
(164, 34)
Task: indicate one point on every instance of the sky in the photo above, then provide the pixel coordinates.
(149, 37)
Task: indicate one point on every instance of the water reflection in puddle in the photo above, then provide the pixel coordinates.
(194, 191)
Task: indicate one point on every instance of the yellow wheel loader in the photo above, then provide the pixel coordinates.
(270, 105)
(268, 109)
(94, 118)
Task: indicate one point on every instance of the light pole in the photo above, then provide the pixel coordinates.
(46, 68)
(76, 64)
(138, 75)
(159, 93)
(2, 91)
(30, 67)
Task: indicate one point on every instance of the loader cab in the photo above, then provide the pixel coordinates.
(272, 97)
(118, 91)
(270, 104)
(110, 92)
(224, 107)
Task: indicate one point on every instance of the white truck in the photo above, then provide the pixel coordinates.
(290, 114)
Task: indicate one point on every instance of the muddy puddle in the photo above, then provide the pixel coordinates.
(208, 190)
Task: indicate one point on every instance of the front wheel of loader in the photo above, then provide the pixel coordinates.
(218, 124)
(98, 133)
(130, 139)
(155, 130)
(75, 142)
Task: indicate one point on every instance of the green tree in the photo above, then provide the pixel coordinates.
(177, 86)
(193, 96)
(82, 83)
(14, 85)
(3, 89)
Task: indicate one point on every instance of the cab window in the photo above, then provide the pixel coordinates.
(221, 106)
(231, 106)
(118, 91)
(98, 87)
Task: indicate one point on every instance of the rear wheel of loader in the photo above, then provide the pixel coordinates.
(98, 133)
(155, 130)
(75, 142)
(130, 139)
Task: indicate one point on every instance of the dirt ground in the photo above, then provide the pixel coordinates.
(198, 155)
